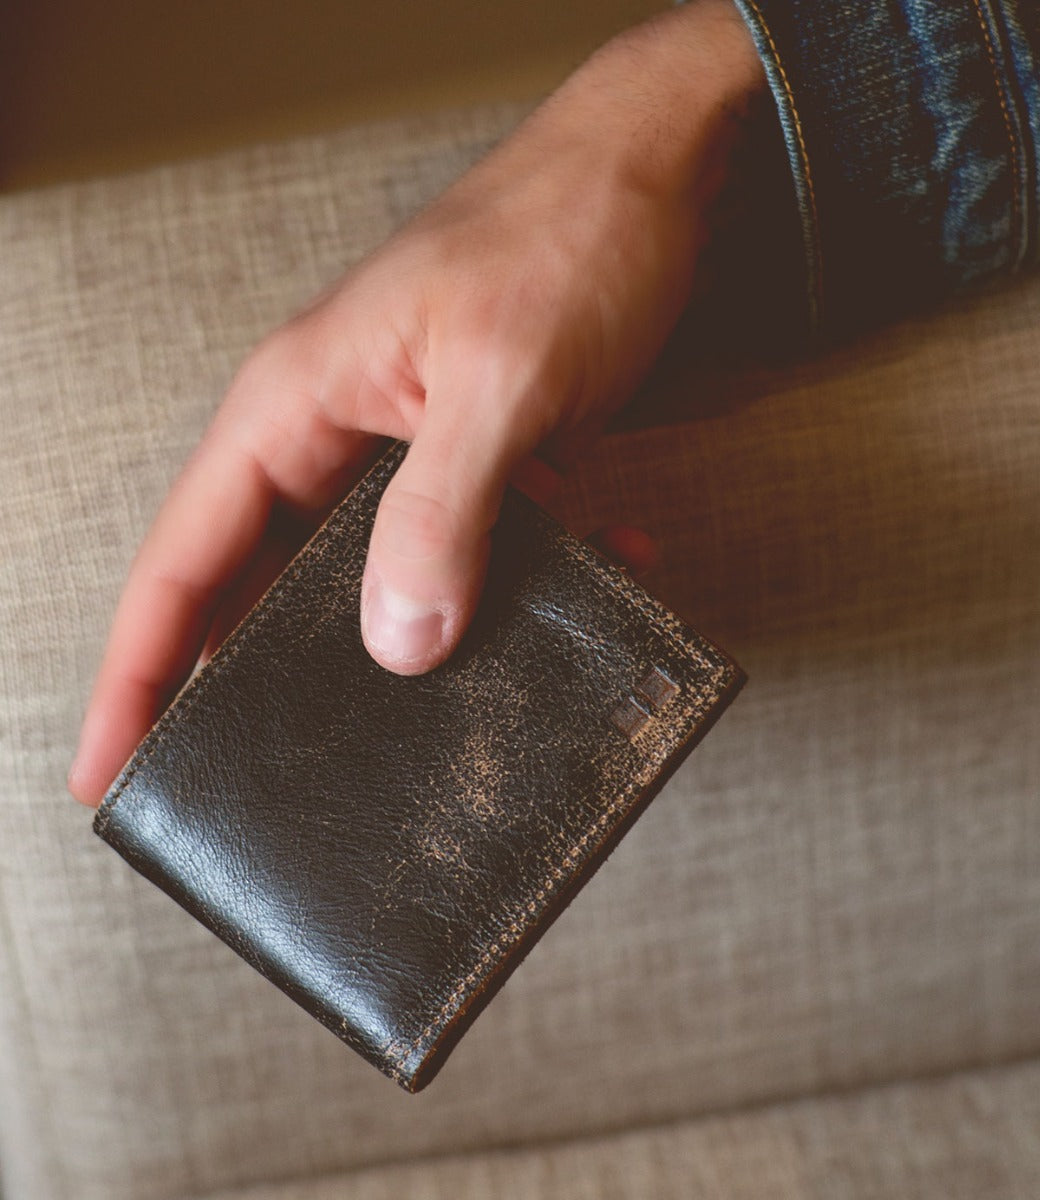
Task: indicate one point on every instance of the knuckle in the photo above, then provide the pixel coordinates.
(415, 525)
(284, 357)
(486, 363)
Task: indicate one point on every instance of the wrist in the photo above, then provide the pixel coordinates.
(666, 100)
(656, 112)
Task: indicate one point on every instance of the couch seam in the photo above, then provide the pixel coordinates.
(769, 1104)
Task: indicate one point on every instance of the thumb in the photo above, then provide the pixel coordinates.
(429, 548)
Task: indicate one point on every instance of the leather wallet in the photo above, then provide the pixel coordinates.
(385, 848)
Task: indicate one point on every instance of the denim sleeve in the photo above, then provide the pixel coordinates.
(911, 129)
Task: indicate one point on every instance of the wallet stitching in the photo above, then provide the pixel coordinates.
(659, 618)
(274, 598)
(622, 587)
(401, 1052)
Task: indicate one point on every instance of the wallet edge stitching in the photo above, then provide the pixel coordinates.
(612, 581)
(562, 871)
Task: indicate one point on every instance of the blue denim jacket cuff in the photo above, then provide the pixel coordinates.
(911, 128)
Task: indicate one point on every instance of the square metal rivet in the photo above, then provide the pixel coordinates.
(657, 689)
(630, 716)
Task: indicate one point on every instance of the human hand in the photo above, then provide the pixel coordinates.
(511, 317)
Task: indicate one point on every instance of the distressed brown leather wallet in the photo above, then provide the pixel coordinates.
(386, 849)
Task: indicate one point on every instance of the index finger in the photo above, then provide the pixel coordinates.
(206, 528)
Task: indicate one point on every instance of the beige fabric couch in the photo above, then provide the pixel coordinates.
(813, 968)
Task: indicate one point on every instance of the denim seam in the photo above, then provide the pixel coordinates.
(1004, 22)
(1017, 224)
(814, 253)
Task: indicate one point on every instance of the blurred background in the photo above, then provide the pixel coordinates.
(96, 86)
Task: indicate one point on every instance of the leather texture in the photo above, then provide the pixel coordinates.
(386, 849)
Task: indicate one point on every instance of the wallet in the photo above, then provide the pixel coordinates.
(386, 848)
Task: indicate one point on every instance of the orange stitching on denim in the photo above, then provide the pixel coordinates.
(1012, 141)
(818, 280)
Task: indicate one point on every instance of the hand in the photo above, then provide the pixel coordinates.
(512, 316)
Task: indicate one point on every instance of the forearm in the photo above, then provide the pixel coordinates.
(664, 99)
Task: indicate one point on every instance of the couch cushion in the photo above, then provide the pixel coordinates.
(962, 1137)
(842, 885)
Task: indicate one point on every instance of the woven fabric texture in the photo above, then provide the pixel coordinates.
(841, 887)
(963, 1137)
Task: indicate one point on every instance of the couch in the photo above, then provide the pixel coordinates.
(812, 969)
